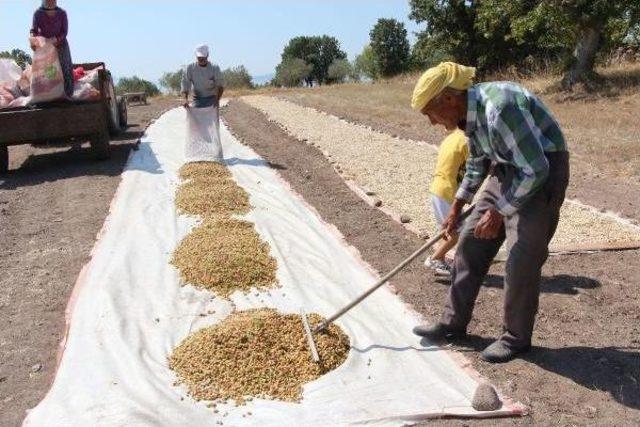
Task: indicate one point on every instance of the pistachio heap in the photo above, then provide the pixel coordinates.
(256, 353)
(225, 255)
(209, 190)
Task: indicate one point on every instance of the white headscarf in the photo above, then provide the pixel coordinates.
(202, 51)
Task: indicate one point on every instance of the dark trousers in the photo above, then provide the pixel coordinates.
(64, 56)
(528, 233)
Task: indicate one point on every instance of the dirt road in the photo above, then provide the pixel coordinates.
(52, 204)
(585, 366)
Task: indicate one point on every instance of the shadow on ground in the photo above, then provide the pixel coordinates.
(558, 284)
(57, 161)
(254, 162)
(614, 370)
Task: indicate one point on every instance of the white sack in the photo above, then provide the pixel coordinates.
(47, 81)
(203, 135)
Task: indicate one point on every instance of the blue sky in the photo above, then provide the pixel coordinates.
(147, 38)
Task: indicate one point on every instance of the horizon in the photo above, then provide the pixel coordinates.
(256, 46)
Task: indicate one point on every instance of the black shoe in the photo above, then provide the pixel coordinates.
(501, 352)
(438, 331)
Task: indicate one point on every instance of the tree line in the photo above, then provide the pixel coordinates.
(572, 36)
(319, 60)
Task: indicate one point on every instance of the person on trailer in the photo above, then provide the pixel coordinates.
(50, 22)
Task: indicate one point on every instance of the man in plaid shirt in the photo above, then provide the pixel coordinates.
(518, 147)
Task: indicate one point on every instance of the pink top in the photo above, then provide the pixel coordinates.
(55, 26)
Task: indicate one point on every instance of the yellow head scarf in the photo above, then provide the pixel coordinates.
(434, 80)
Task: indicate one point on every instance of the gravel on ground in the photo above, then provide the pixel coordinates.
(399, 171)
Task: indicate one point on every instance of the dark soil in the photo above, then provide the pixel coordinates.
(53, 202)
(584, 368)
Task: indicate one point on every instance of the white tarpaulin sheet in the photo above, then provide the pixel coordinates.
(202, 141)
(130, 311)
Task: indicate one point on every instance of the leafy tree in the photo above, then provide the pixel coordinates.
(424, 55)
(594, 21)
(493, 34)
(291, 72)
(521, 34)
(237, 78)
(450, 27)
(390, 47)
(21, 57)
(172, 81)
(317, 51)
(339, 70)
(365, 64)
(136, 84)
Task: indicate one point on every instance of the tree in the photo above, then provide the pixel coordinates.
(492, 34)
(339, 70)
(136, 84)
(593, 21)
(365, 64)
(237, 78)
(291, 72)
(317, 51)
(390, 47)
(450, 27)
(21, 57)
(172, 81)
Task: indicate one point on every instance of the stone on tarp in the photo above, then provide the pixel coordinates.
(485, 398)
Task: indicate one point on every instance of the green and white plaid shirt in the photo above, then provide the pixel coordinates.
(508, 125)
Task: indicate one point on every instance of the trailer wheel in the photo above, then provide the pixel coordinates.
(123, 115)
(100, 145)
(114, 116)
(4, 159)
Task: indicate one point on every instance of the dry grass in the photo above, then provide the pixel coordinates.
(596, 124)
(224, 256)
(256, 353)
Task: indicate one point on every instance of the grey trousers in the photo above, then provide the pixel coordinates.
(528, 233)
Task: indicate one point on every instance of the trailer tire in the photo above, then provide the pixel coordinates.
(123, 115)
(100, 145)
(113, 108)
(4, 160)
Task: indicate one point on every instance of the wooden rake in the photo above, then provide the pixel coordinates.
(325, 323)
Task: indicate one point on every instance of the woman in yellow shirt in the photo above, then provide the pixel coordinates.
(450, 167)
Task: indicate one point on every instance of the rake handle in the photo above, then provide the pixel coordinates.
(325, 323)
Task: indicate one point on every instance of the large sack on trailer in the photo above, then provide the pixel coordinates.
(203, 135)
(47, 82)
